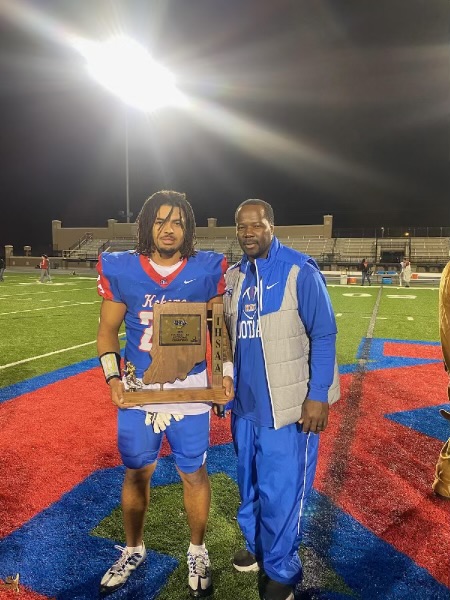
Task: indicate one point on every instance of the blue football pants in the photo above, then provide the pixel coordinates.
(139, 445)
(275, 471)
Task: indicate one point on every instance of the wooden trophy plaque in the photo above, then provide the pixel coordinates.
(180, 332)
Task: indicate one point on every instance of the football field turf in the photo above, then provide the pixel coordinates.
(373, 527)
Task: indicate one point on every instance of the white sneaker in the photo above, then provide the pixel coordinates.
(118, 574)
(200, 581)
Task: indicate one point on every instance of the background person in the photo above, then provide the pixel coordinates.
(365, 271)
(283, 333)
(2, 269)
(164, 268)
(402, 271)
(407, 273)
(44, 265)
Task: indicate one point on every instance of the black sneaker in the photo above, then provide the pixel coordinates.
(245, 561)
(278, 591)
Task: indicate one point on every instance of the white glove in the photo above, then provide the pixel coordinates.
(159, 421)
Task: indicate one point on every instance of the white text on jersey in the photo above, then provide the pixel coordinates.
(151, 299)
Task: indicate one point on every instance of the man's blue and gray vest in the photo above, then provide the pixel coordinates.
(285, 342)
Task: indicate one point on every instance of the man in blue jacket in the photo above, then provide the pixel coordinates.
(283, 334)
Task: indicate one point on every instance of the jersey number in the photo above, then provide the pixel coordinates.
(146, 317)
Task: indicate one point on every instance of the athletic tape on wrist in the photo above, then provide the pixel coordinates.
(110, 362)
(228, 369)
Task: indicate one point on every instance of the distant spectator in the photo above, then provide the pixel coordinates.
(407, 273)
(365, 271)
(45, 269)
(402, 271)
(2, 268)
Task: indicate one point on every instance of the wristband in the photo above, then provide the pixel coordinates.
(110, 362)
(228, 369)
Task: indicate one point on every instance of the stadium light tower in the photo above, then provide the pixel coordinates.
(128, 71)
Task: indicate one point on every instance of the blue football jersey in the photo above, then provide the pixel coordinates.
(129, 278)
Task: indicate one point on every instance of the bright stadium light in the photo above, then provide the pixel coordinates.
(127, 70)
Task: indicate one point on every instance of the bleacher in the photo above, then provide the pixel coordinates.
(119, 245)
(86, 249)
(221, 245)
(430, 250)
(425, 253)
(315, 246)
(353, 250)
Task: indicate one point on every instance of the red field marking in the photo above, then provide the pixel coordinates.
(50, 440)
(55, 437)
(412, 350)
(24, 594)
(220, 430)
(389, 468)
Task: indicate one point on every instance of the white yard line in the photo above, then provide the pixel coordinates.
(25, 360)
(27, 310)
(58, 291)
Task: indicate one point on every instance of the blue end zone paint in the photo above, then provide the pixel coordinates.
(425, 420)
(56, 556)
(372, 568)
(35, 383)
(377, 360)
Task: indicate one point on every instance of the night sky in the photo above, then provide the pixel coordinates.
(320, 107)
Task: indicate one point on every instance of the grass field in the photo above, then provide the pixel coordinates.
(48, 360)
(60, 320)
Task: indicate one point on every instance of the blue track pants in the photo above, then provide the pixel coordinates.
(276, 469)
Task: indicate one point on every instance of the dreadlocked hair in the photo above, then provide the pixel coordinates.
(147, 217)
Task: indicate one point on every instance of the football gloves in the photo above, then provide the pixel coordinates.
(160, 421)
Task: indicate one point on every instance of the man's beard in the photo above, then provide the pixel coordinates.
(167, 252)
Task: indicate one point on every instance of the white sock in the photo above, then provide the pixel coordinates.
(193, 549)
(133, 549)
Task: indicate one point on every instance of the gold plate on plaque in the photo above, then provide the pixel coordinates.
(180, 330)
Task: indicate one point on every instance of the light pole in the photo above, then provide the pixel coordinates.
(128, 71)
(127, 169)
(408, 243)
